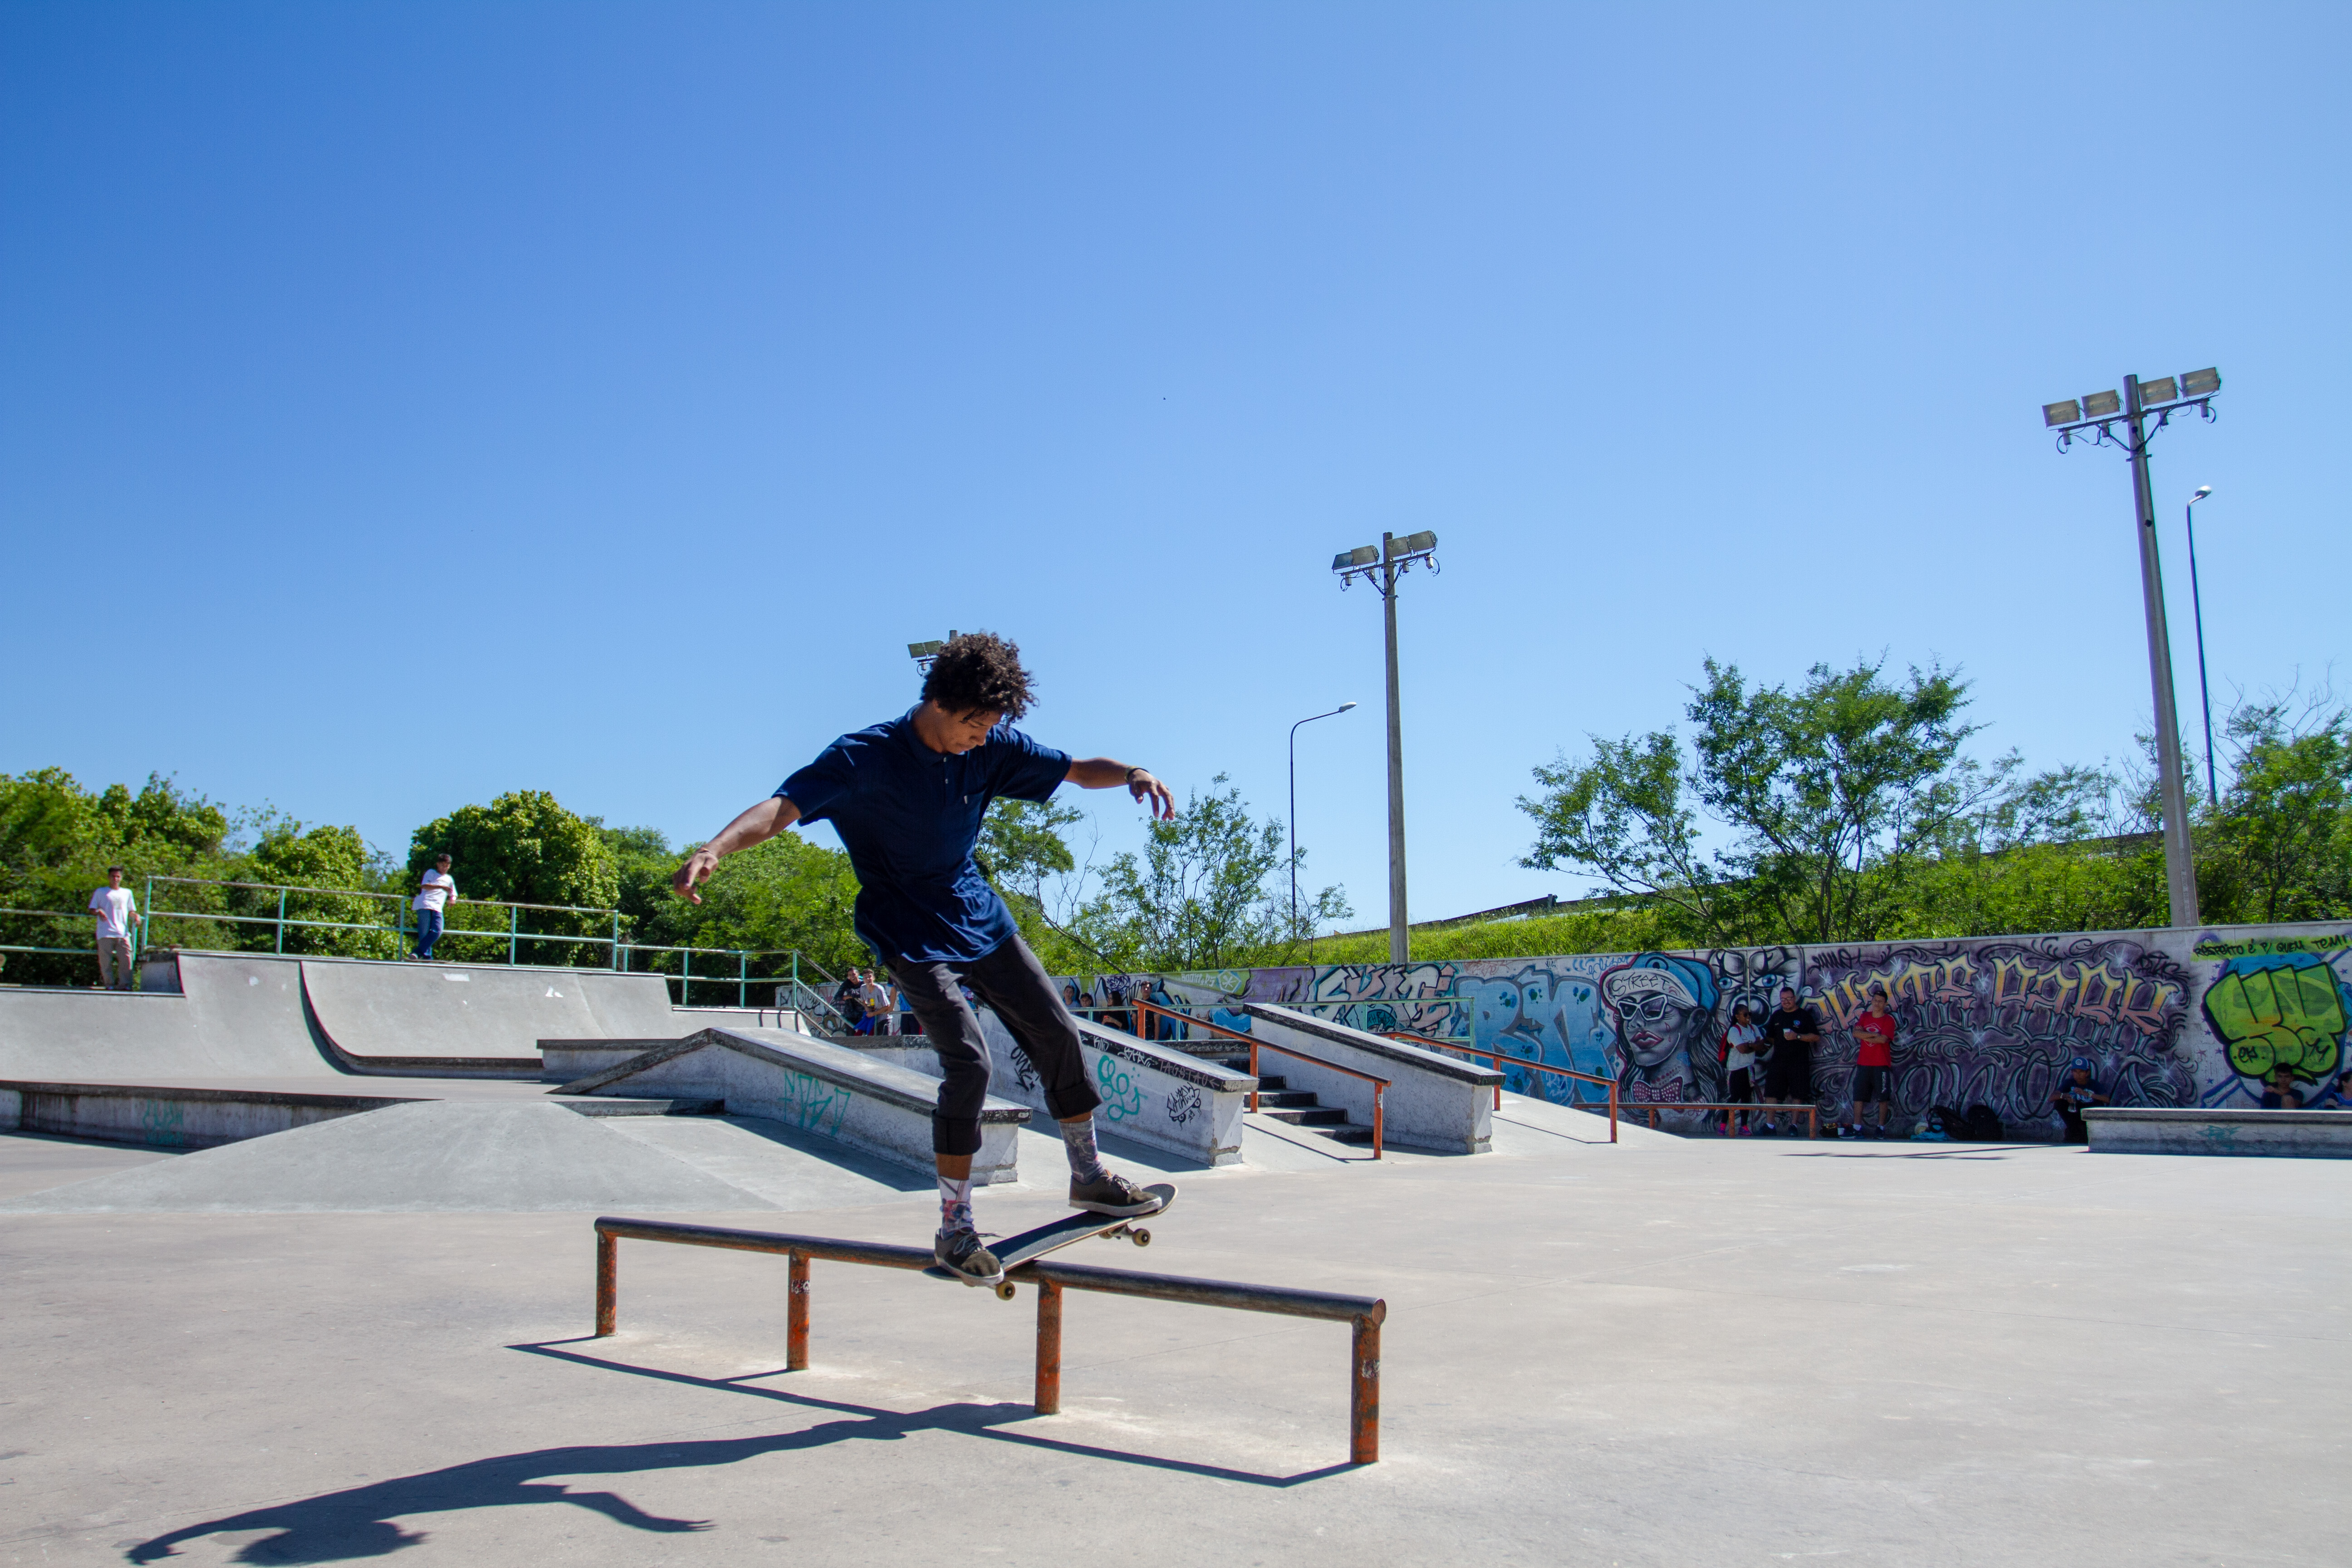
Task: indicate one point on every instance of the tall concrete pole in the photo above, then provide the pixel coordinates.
(2180, 858)
(1400, 941)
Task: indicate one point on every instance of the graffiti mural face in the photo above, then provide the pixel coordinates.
(1664, 1009)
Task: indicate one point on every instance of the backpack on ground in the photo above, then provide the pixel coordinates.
(1982, 1125)
(1941, 1125)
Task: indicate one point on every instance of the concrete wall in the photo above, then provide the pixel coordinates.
(2168, 1018)
(2289, 1134)
(1432, 1101)
(165, 1118)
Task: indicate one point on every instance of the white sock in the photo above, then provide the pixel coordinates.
(955, 1204)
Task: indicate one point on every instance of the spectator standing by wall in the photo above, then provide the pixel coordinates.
(117, 908)
(434, 894)
(1874, 1064)
(1791, 1032)
(1739, 1043)
(2078, 1093)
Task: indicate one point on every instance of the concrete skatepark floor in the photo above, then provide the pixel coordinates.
(1663, 1353)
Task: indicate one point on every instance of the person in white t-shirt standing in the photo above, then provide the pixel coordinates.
(435, 893)
(117, 910)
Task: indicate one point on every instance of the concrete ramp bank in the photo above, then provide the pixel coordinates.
(1434, 1101)
(230, 1016)
(875, 1106)
(447, 1020)
(1155, 1095)
(2289, 1134)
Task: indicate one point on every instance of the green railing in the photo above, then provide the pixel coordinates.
(787, 968)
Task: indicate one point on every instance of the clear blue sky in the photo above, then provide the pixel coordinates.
(402, 404)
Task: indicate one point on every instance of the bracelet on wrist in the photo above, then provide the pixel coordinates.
(1132, 772)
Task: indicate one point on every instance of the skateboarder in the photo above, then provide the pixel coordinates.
(907, 796)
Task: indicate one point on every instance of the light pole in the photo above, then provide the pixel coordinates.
(1381, 567)
(1293, 809)
(2197, 604)
(2123, 421)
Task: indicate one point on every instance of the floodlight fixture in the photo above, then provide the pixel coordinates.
(2200, 383)
(2064, 413)
(2102, 405)
(1416, 543)
(1349, 560)
(924, 649)
(2164, 389)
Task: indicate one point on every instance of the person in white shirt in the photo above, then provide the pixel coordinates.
(117, 910)
(881, 999)
(435, 893)
(1739, 1043)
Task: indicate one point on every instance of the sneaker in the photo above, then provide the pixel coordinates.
(966, 1255)
(1112, 1194)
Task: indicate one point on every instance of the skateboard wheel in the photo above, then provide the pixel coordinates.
(1004, 1290)
(1143, 1238)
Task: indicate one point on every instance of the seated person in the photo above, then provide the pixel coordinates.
(2076, 1093)
(2281, 1095)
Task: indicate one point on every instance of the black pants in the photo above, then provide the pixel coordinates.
(1011, 981)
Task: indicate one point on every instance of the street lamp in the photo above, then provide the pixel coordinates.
(925, 654)
(1294, 808)
(1381, 567)
(2107, 419)
(2204, 693)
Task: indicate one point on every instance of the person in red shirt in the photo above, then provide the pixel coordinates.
(1874, 1064)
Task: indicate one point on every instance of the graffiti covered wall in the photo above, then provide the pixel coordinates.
(2164, 1017)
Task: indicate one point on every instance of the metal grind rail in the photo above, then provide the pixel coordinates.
(1379, 1085)
(1366, 1313)
(1500, 1060)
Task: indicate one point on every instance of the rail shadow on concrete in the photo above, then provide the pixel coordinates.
(937, 1418)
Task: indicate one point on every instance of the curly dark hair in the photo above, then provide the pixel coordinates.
(979, 672)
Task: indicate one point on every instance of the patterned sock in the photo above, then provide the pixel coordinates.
(955, 1204)
(1078, 1142)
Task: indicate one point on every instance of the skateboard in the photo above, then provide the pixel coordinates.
(1031, 1244)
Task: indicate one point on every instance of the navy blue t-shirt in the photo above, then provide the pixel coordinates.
(909, 817)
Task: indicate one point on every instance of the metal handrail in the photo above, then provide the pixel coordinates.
(1500, 1059)
(1379, 1085)
(1366, 1313)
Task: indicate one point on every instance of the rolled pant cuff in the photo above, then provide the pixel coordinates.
(954, 1135)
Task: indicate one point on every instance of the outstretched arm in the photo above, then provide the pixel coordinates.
(1102, 773)
(756, 826)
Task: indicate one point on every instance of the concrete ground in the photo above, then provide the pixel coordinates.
(1662, 1352)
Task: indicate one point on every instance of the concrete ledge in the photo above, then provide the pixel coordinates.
(567, 1062)
(831, 1090)
(160, 1117)
(1153, 1094)
(2289, 1135)
(1434, 1101)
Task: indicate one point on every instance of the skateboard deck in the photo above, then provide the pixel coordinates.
(1031, 1244)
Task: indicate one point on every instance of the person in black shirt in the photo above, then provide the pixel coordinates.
(1790, 1034)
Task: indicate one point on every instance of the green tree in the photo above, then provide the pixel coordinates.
(523, 847)
(1204, 894)
(286, 853)
(1829, 794)
(56, 840)
(2282, 842)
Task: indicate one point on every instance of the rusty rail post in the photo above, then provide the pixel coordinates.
(796, 1313)
(1049, 1348)
(1364, 1395)
(1379, 1115)
(608, 1282)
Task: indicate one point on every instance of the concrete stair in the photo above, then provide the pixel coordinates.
(1277, 1102)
